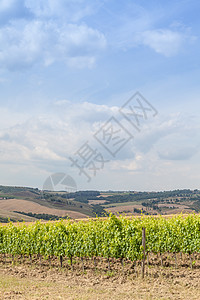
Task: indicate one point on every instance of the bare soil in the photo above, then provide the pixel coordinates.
(29, 206)
(123, 208)
(16, 216)
(127, 208)
(96, 201)
(23, 280)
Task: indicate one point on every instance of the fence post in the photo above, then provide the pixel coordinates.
(143, 245)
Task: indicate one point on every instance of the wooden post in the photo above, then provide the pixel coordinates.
(61, 261)
(95, 264)
(143, 245)
(71, 262)
(161, 259)
(190, 260)
(49, 261)
(109, 264)
(175, 260)
(83, 268)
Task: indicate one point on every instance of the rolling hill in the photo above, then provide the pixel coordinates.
(30, 204)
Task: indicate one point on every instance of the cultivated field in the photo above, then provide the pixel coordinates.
(13, 215)
(29, 206)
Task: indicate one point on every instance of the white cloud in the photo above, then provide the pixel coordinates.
(24, 44)
(54, 135)
(61, 130)
(13, 9)
(45, 143)
(178, 153)
(168, 41)
(165, 41)
(28, 38)
(135, 25)
(72, 10)
(48, 31)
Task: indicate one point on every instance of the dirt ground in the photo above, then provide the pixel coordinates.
(40, 280)
(29, 206)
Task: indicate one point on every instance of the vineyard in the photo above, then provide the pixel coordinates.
(117, 238)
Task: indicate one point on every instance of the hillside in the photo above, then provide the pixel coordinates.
(29, 204)
(28, 200)
(5, 215)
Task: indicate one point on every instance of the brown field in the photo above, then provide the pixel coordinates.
(25, 281)
(28, 206)
(122, 208)
(105, 195)
(181, 206)
(96, 201)
(129, 209)
(179, 210)
(13, 215)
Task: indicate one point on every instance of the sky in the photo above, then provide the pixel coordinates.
(106, 92)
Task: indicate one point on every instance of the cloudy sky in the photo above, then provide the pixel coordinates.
(67, 70)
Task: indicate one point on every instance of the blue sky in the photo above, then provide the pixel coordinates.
(66, 68)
